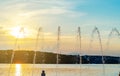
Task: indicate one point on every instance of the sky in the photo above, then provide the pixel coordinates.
(69, 15)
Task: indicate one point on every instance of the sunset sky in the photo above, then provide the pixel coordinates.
(29, 15)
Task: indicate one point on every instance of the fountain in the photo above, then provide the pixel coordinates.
(58, 48)
(58, 45)
(79, 41)
(58, 52)
(95, 30)
(110, 35)
(13, 52)
(36, 48)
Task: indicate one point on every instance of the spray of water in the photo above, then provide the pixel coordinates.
(58, 45)
(42, 44)
(114, 30)
(36, 48)
(79, 40)
(58, 48)
(13, 52)
(110, 34)
(95, 30)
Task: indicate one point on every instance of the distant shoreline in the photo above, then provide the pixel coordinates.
(23, 57)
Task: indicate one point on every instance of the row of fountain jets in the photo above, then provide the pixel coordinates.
(95, 30)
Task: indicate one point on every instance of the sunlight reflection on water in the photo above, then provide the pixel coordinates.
(18, 69)
(61, 70)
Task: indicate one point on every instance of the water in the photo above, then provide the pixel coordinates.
(79, 40)
(58, 44)
(21, 31)
(79, 45)
(58, 69)
(62, 69)
(58, 49)
(95, 30)
(114, 30)
(36, 48)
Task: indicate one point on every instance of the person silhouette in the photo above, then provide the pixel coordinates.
(43, 73)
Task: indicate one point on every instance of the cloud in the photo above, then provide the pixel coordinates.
(25, 8)
(37, 12)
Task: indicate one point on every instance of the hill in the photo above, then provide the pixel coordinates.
(22, 56)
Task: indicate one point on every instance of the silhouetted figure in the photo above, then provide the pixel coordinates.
(43, 73)
(119, 73)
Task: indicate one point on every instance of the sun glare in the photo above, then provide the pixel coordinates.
(18, 32)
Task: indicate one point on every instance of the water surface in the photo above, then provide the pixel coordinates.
(59, 69)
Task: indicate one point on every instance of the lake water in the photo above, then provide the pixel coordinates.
(59, 70)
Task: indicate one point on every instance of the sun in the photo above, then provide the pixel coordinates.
(18, 32)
